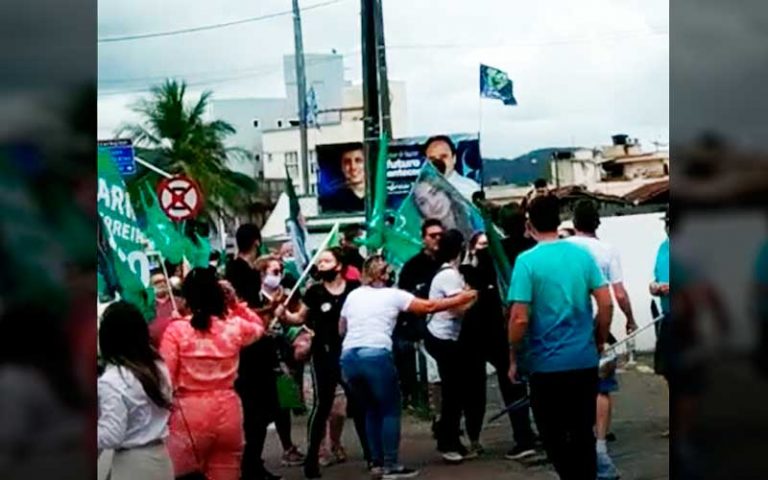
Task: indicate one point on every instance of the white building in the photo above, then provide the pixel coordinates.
(251, 117)
(281, 146)
(576, 167)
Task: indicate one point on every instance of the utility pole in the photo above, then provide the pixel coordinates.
(301, 97)
(370, 99)
(381, 55)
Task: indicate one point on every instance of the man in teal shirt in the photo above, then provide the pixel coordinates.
(550, 291)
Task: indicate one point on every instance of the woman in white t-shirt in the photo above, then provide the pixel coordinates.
(134, 397)
(442, 342)
(368, 318)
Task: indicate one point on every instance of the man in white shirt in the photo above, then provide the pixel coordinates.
(441, 151)
(586, 219)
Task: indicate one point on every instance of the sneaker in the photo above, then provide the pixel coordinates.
(453, 457)
(520, 452)
(292, 458)
(377, 473)
(665, 434)
(476, 446)
(474, 451)
(606, 470)
(400, 472)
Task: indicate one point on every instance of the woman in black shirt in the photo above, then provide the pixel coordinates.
(320, 311)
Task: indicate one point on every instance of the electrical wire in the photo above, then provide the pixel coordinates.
(142, 36)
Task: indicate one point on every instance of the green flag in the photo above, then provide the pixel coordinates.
(376, 225)
(197, 251)
(160, 230)
(500, 260)
(125, 239)
(295, 225)
(431, 196)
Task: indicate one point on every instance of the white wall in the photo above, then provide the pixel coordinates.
(637, 237)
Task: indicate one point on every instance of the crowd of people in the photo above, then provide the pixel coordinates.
(193, 393)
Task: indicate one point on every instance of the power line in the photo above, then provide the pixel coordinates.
(169, 33)
(255, 72)
(265, 70)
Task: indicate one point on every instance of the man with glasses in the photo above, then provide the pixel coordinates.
(415, 277)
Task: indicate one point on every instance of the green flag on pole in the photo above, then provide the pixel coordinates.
(376, 227)
(295, 225)
(160, 230)
(125, 239)
(431, 196)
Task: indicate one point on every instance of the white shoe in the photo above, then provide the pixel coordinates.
(453, 457)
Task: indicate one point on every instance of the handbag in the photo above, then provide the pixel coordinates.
(197, 474)
(288, 394)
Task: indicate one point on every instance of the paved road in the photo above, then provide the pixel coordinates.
(641, 413)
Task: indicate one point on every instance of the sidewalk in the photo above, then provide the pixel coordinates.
(641, 412)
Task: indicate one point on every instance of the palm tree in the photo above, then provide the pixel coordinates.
(174, 136)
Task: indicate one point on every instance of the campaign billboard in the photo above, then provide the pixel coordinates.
(341, 169)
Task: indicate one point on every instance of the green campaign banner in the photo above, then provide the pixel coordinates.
(126, 241)
(431, 196)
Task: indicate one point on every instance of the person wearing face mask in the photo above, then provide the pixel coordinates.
(367, 320)
(257, 376)
(483, 339)
(320, 310)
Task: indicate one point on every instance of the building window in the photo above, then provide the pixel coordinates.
(292, 164)
(269, 158)
(256, 123)
(279, 124)
(312, 162)
(257, 157)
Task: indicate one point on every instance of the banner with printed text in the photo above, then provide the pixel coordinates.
(123, 260)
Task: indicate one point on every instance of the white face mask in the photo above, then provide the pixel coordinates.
(272, 281)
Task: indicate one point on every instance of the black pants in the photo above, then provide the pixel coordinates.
(405, 360)
(564, 406)
(260, 408)
(451, 366)
(326, 376)
(494, 350)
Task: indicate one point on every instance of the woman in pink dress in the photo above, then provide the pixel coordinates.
(202, 354)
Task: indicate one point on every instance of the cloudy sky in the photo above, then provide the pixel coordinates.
(582, 70)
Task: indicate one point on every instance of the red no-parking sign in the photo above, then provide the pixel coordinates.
(180, 197)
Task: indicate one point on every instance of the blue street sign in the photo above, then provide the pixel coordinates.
(121, 151)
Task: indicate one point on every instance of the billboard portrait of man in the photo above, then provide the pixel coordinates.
(341, 177)
(441, 152)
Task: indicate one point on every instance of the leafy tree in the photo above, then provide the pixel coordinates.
(174, 136)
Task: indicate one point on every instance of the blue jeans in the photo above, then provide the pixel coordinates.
(372, 378)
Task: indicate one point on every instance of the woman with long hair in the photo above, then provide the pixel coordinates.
(367, 320)
(134, 397)
(320, 310)
(202, 353)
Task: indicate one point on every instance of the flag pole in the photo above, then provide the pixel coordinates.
(167, 278)
(479, 135)
(312, 261)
